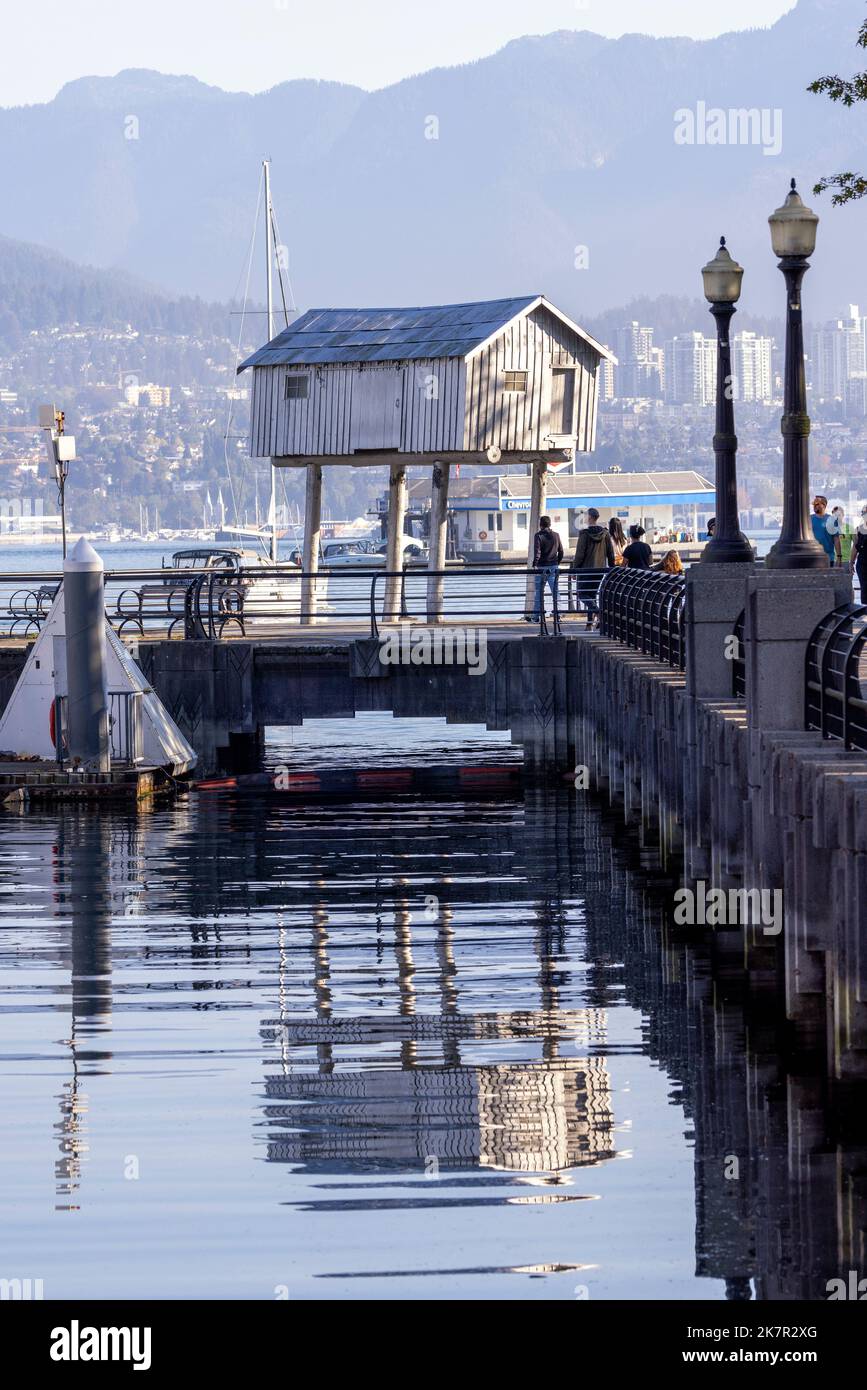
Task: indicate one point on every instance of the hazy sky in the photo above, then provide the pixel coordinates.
(250, 45)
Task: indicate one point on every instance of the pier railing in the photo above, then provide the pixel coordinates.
(645, 609)
(836, 677)
(237, 601)
(125, 727)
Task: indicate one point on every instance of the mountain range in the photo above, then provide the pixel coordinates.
(41, 289)
(560, 164)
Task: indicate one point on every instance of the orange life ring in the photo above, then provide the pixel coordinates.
(483, 535)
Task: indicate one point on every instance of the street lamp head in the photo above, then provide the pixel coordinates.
(722, 277)
(793, 227)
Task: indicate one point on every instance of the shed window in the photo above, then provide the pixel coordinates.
(515, 381)
(298, 386)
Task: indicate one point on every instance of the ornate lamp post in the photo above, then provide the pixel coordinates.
(793, 236)
(722, 287)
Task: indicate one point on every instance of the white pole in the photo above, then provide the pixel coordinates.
(269, 270)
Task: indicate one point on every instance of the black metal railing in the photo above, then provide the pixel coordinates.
(238, 601)
(24, 605)
(836, 677)
(645, 610)
(125, 727)
(243, 601)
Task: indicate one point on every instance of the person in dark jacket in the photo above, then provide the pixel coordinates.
(858, 560)
(638, 554)
(547, 556)
(594, 551)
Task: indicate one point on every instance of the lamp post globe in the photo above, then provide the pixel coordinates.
(793, 238)
(722, 278)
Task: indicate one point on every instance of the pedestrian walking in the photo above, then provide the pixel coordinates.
(638, 554)
(547, 557)
(618, 538)
(858, 560)
(594, 551)
(835, 526)
(820, 526)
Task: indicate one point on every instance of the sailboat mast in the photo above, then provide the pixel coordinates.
(269, 254)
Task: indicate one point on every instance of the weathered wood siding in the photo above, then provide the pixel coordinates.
(318, 425)
(417, 407)
(515, 420)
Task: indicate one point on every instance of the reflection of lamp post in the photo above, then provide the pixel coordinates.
(793, 236)
(722, 287)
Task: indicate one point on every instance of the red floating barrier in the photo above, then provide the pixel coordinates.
(395, 777)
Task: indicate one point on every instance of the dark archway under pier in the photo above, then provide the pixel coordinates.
(224, 694)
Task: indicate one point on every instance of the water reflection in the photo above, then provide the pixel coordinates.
(430, 1003)
(83, 869)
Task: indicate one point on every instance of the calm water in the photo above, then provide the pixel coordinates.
(370, 1049)
(374, 1049)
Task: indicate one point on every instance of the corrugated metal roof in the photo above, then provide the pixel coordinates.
(617, 486)
(585, 489)
(387, 335)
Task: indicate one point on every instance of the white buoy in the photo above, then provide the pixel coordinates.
(87, 700)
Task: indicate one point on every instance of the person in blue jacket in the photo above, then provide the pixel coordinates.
(820, 526)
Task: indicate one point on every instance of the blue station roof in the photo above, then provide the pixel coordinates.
(511, 492)
(395, 335)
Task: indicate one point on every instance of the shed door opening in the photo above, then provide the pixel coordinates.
(563, 402)
(377, 398)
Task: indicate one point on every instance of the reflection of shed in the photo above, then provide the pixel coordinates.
(532, 1117)
(509, 381)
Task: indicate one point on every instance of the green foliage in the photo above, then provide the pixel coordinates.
(849, 186)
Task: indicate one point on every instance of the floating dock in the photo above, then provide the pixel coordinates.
(34, 780)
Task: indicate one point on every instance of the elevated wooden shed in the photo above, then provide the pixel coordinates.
(492, 383)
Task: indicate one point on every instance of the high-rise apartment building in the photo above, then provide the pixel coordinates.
(640, 364)
(690, 369)
(752, 367)
(838, 354)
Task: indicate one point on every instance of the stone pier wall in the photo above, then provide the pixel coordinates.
(733, 807)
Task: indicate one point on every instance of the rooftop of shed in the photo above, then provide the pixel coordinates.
(323, 336)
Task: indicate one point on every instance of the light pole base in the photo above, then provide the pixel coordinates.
(797, 555)
(736, 551)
